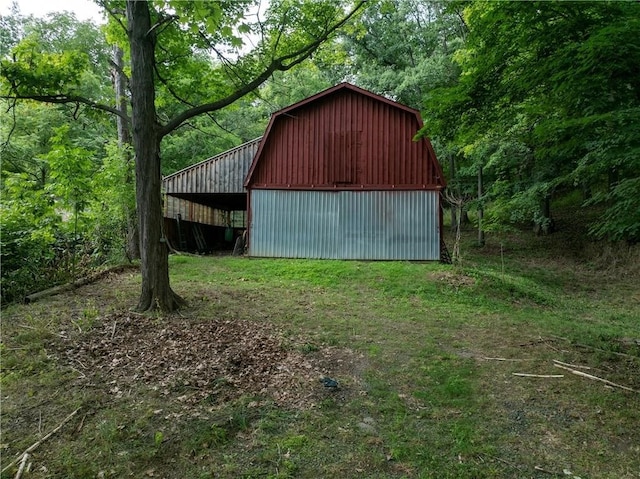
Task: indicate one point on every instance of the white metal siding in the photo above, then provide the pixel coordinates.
(369, 225)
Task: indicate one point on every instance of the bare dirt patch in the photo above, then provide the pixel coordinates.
(205, 362)
(453, 278)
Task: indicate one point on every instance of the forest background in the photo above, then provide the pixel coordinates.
(537, 101)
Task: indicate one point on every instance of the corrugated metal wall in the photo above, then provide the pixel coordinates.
(373, 225)
(199, 213)
(224, 173)
(346, 140)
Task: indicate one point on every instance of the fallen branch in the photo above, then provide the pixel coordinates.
(526, 375)
(624, 355)
(595, 378)
(40, 441)
(571, 365)
(25, 458)
(113, 332)
(506, 359)
(79, 428)
(538, 468)
(78, 283)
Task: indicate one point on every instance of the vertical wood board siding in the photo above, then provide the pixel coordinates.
(199, 213)
(223, 173)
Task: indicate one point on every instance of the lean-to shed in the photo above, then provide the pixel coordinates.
(338, 175)
(206, 203)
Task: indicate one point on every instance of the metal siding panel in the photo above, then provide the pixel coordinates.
(368, 225)
(293, 224)
(390, 225)
(294, 159)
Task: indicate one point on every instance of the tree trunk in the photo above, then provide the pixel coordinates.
(550, 224)
(452, 175)
(547, 224)
(120, 86)
(154, 254)
(124, 140)
(480, 207)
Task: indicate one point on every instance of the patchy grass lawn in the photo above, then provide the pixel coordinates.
(424, 355)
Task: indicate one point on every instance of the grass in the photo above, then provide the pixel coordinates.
(425, 401)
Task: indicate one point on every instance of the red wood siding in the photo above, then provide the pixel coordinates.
(345, 139)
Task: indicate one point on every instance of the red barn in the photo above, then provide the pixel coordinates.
(338, 175)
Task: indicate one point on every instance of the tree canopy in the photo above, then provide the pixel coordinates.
(547, 102)
(542, 98)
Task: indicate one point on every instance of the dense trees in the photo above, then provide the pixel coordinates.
(173, 79)
(547, 102)
(540, 97)
(49, 216)
(403, 48)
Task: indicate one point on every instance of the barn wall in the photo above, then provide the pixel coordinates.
(199, 213)
(372, 225)
(346, 140)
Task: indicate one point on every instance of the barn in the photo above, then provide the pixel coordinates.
(339, 176)
(205, 205)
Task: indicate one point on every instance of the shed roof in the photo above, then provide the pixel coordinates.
(345, 137)
(217, 181)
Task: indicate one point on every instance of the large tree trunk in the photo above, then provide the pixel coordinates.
(154, 254)
(480, 207)
(452, 177)
(124, 140)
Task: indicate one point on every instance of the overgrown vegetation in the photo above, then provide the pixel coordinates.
(538, 100)
(424, 355)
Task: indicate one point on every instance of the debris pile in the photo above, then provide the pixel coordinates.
(193, 360)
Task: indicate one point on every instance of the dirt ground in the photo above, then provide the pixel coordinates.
(214, 359)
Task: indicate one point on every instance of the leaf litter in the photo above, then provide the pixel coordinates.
(206, 362)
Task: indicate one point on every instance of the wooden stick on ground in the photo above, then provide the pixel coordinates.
(595, 378)
(596, 349)
(77, 284)
(571, 365)
(538, 375)
(538, 468)
(505, 359)
(25, 458)
(113, 331)
(40, 441)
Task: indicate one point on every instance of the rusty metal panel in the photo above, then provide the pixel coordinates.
(346, 139)
(223, 173)
(367, 225)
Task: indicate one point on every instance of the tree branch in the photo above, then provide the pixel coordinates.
(277, 64)
(217, 105)
(12, 108)
(119, 70)
(69, 99)
(217, 123)
(163, 22)
(169, 88)
(228, 65)
(114, 14)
